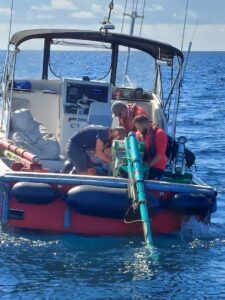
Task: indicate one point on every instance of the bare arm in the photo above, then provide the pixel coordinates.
(99, 151)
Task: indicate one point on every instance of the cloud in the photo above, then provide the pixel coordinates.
(55, 4)
(154, 7)
(190, 14)
(5, 11)
(82, 15)
(39, 16)
(96, 8)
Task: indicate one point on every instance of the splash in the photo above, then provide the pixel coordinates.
(193, 228)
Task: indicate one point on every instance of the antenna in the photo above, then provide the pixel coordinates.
(106, 22)
(133, 16)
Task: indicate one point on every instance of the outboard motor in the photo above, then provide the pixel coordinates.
(179, 162)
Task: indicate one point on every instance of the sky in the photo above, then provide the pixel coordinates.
(163, 19)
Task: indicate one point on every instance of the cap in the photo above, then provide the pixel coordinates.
(117, 108)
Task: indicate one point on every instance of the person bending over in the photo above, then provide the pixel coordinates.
(155, 140)
(126, 113)
(92, 138)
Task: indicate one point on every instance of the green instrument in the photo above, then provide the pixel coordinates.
(136, 182)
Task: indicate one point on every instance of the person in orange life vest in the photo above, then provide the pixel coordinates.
(126, 113)
(155, 140)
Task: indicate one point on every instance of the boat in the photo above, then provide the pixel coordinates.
(36, 194)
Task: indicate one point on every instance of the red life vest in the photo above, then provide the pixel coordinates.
(152, 145)
(133, 110)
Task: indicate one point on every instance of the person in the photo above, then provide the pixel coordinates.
(126, 113)
(92, 138)
(155, 140)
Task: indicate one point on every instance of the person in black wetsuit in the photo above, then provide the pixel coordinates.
(92, 138)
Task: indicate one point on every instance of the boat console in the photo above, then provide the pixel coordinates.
(83, 102)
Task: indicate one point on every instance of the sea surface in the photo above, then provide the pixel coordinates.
(190, 265)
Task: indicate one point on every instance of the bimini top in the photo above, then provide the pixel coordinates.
(156, 49)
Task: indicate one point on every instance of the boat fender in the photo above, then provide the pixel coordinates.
(189, 204)
(106, 202)
(33, 193)
(99, 201)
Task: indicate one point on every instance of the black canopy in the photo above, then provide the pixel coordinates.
(156, 49)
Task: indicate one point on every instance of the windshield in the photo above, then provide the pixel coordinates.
(140, 71)
(76, 60)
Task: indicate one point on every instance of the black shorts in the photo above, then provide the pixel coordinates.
(80, 158)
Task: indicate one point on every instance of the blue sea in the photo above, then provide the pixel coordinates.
(190, 265)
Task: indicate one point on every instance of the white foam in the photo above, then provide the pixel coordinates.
(193, 228)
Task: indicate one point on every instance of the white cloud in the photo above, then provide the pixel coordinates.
(5, 11)
(190, 14)
(96, 8)
(82, 15)
(204, 38)
(154, 7)
(39, 16)
(56, 4)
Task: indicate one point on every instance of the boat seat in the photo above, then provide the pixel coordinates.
(20, 103)
(41, 105)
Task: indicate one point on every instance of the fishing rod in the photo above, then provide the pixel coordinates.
(189, 49)
(181, 76)
(9, 36)
(184, 27)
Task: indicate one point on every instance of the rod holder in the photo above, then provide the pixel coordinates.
(179, 163)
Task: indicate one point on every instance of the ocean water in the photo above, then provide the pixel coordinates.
(190, 265)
